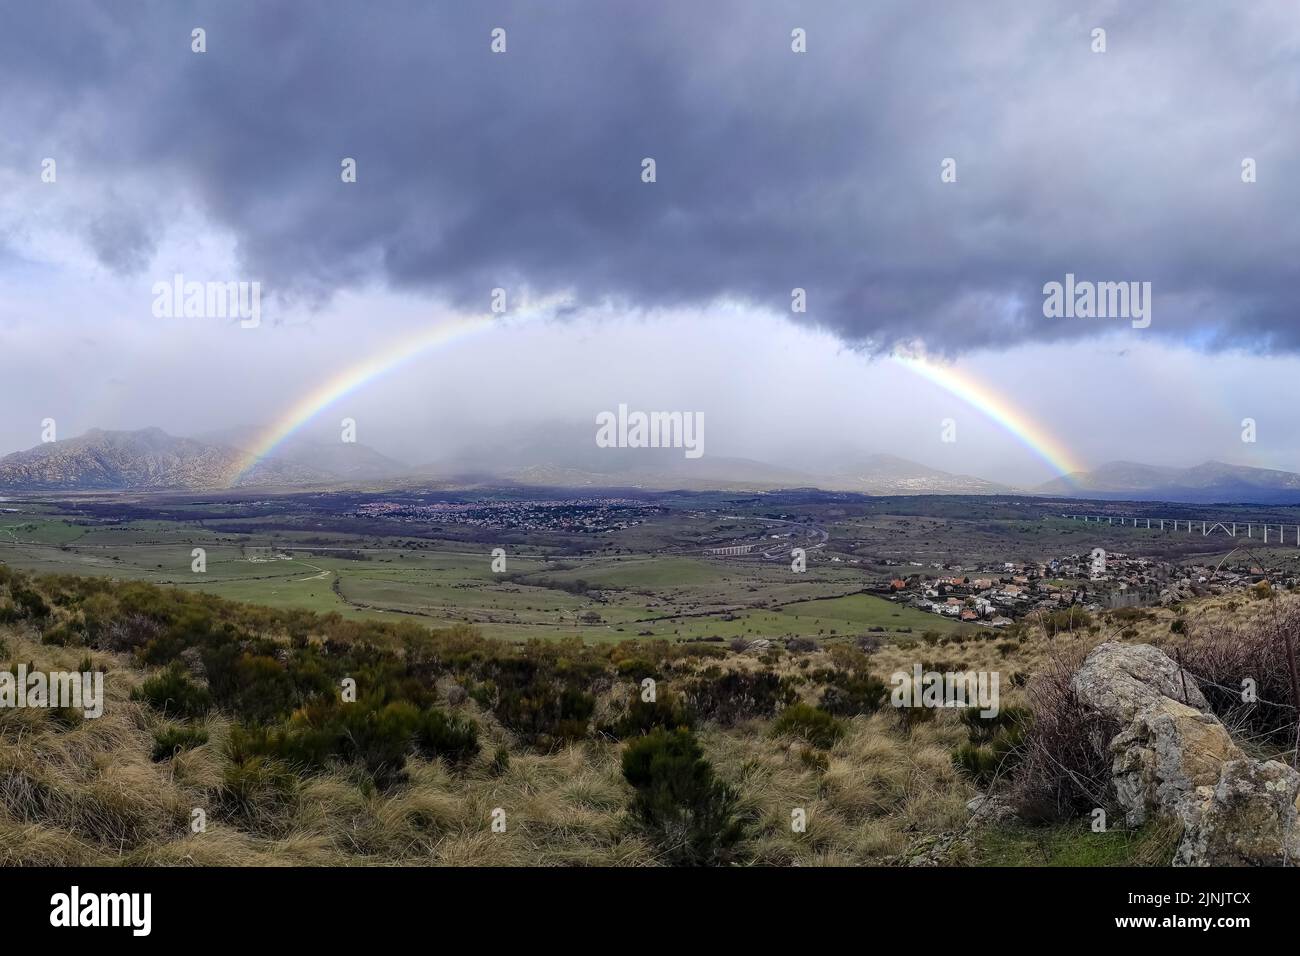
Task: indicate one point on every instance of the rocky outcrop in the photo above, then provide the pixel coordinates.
(1177, 592)
(1122, 679)
(1249, 820)
(1164, 755)
(1173, 758)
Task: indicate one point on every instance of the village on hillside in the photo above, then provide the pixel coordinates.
(997, 597)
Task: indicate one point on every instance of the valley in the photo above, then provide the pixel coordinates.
(624, 564)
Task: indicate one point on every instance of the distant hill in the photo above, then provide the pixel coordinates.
(652, 469)
(150, 459)
(890, 475)
(147, 459)
(328, 460)
(568, 457)
(1208, 482)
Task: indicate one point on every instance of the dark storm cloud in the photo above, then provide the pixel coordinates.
(775, 170)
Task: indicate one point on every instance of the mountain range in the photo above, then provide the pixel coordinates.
(150, 459)
(1210, 481)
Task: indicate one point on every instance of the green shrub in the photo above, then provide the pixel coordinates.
(455, 739)
(994, 743)
(62, 635)
(637, 669)
(544, 713)
(170, 740)
(379, 737)
(30, 602)
(682, 807)
(979, 763)
(172, 692)
(500, 762)
(815, 726)
(641, 716)
(256, 787)
(848, 695)
(729, 697)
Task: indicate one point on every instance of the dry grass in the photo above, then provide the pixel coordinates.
(90, 794)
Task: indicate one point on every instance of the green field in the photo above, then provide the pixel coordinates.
(601, 597)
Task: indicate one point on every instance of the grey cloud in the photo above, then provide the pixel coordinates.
(775, 170)
(123, 239)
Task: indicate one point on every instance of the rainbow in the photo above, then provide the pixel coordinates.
(999, 409)
(348, 381)
(963, 385)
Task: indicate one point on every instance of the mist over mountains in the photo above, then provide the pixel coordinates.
(150, 459)
(1208, 482)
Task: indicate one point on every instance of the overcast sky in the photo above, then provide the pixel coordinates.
(774, 170)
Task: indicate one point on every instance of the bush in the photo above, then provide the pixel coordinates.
(541, 714)
(1065, 764)
(686, 812)
(500, 762)
(815, 726)
(637, 669)
(171, 740)
(454, 739)
(983, 729)
(994, 742)
(172, 692)
(1066, 620)
(848, 695)
(379, 737)
(62, 635)
(729, 697)
(641, 716)
(256, 787)
(869, 643)
(29, 602)
(1220, 656)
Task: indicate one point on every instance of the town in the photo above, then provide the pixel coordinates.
(574, 515)
(1099, 581)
